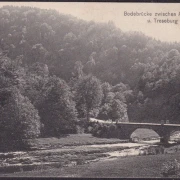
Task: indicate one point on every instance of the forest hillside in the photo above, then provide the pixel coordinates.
(61, 68)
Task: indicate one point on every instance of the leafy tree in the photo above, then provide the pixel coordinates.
(129, 96)
(172, 53)
(105, 112)
(119, 111)
(119, 87)
(88, 95)
(35, 80)
(8, 73)
(38, 53)
(76, 74)
(19, 120)
(57, 109)
(78, 68)
(106, 88)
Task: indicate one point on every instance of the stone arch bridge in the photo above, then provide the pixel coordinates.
(163, 130)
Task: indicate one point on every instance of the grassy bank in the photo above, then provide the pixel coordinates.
(67, 156)
(57, 152)
(71, 140)
(137, 166)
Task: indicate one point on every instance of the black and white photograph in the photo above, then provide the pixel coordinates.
(89, 90)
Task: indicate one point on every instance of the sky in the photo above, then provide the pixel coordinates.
(104, 12)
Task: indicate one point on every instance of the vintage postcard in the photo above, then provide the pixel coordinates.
(89, 90)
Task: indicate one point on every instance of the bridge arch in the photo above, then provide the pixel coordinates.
(173, 133)
(143, 134)
(126, 130)
(163, 130)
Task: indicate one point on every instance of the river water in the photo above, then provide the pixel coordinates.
(112, 151)
(137, 149)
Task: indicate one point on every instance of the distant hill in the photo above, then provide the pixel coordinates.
(151, 68)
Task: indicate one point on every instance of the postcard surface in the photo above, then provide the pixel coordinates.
(89, 90)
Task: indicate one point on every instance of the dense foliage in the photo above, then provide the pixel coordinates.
(88, 96)
(60, 40)
(62, 68)
(104, 130)
(19, 119)
(57, 109)
(170, 169)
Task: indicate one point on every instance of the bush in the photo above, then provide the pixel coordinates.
(105, 131)
(79, 129)
(170, 168)
(95, 130)
(112, 127)
(89, 129)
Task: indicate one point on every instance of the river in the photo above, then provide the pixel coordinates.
(137, 149)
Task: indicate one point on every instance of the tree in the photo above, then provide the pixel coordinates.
(119, 87)
(57, 109)
(78, 69)
(129, 96)
(38, 53)
(76, 74)
(88, 95)
(19, 119)
(172, 53)
(106, 88)
(118, 111)
(35, 80)
(8, 73)
(104, 112)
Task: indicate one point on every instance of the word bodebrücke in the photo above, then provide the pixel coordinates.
(155, 20)
(150, 14)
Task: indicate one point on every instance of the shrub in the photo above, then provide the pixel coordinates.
(112, 127)
(170, 168)
(79, 129)
(89, 129)
(95, 129)
(105, 131)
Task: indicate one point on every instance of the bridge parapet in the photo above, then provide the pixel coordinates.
(162, 129)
